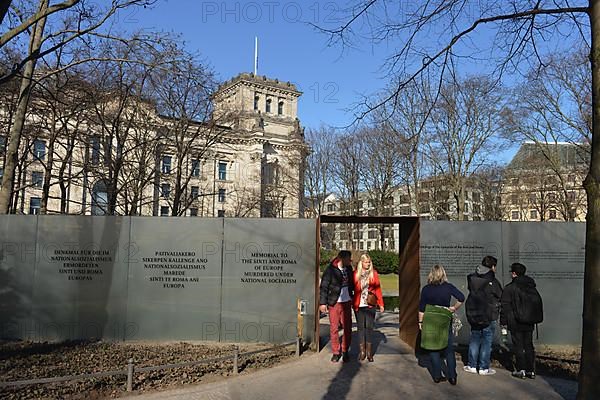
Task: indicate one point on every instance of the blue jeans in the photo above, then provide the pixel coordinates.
(436, 359)
(480, 346)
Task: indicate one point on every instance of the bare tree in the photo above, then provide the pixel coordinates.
(346, 163)
(465, 121)
(380, 169)
(318, 168)
(406, 120)
(489, 184)
(80, 20)
(190, 129)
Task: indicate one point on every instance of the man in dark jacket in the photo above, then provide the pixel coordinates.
(521, 333)
(483, 309)
(336, 293)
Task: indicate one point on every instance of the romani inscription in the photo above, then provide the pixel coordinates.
(174, 269)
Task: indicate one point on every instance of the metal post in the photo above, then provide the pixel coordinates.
(130, 369)
(236, 354)
(298, 346)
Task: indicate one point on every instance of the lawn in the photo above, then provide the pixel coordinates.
(389, 283)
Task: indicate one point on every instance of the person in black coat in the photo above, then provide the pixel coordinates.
(335, 297)
(521, 333)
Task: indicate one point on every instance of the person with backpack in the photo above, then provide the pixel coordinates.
(522, 309)
(482, 309)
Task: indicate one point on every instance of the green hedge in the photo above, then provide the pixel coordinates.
(391, 302)
(385, 262)
(326, 257)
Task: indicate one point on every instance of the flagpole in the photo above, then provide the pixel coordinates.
(255, 55)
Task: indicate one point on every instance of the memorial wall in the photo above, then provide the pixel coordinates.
(554, 254)
(152, 278)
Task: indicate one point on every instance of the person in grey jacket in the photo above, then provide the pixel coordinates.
(483, 310)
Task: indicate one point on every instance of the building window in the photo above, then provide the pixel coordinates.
(373, 234)
(220, 213)
(195, 192)
(532, 198)
(573, 213)
(466, 207)
(193, 212)
(256, 100)
(405, 210)
(195, 168)
(35, 204)
(222, 170)
(514, 198)
(95, 150)
(361, 245)
(368, 245)
(571, 178)
(424, 208)
(552, 214)
(533, 214)
(268, 106)
(99, 199)
(515, 215)
(2, 144)
(164, 211)
(39, 149)
(476, 208)
(330, 207)
(166, 165)
(552, 197)
(571, 197)
(280, 108)
(221, 195)
(165, 190)
(37, 179)
(476, 197)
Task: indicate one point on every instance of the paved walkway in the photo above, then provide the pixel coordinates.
(394, 374)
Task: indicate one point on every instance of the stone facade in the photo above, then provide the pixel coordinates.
(245, 161)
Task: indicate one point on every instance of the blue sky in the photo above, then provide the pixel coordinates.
(331, 78)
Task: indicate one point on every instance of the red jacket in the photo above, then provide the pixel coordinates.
(374, 286)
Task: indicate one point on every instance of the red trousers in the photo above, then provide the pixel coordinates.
(340, 313)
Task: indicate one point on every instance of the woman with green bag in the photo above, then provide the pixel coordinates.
(435, 322)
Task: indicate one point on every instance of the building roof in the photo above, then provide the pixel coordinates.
(532, 155)
(250, 78)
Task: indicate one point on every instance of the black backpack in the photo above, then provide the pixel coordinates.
(528, 307)
(478, 307)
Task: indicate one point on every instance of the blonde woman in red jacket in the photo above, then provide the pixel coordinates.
(366, 280)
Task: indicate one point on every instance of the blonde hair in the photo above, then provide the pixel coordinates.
(437, 275)
(359, 266)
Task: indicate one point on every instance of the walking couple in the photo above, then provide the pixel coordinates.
(342, 289)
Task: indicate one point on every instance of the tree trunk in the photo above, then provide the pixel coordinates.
(48, 174)
(16, 130)
(589, 373)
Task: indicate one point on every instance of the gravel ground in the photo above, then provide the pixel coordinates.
(27, 360)
(560, 361)
(554, 361)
